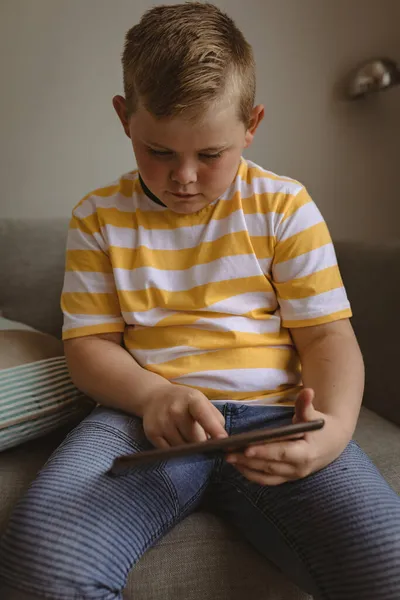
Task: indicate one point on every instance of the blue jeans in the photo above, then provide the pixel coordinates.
(77, 532)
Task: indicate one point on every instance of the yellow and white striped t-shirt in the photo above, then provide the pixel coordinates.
(206, 299)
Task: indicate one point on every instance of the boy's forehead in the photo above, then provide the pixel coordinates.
(214, 128)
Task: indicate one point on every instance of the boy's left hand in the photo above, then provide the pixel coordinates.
(273, 463)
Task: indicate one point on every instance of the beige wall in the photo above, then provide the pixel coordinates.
(60, 138)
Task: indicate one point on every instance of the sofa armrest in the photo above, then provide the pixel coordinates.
(371, 274)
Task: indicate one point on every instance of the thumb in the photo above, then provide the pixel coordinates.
(304, 408)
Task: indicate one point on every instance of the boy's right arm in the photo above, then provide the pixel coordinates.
(172, 414)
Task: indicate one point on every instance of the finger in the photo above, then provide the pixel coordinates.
(292, 452)
(159, 442)
(261, 478)
(208, 416)
(304, 408)
(192, 431)
(173, 436)
(275, 468)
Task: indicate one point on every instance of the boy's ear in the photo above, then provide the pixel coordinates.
(257, 115)
(119, 104)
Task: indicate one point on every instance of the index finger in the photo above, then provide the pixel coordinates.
(208, 416)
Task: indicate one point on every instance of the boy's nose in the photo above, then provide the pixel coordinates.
(184, 174)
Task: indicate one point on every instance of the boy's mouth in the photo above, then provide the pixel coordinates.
(183, 195)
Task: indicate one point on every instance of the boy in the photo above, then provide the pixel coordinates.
(194, 289)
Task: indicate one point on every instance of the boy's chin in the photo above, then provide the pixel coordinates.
(189, 207)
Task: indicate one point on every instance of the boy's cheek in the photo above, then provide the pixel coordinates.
(151, 171)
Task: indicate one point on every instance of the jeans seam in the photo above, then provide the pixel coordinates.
(187, 505)
(168, 482)
(284, 533)
(173, 522)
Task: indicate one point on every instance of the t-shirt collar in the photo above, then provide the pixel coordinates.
(149, 193)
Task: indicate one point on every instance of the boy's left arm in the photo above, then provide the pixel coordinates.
(333, 378)
(332, 366)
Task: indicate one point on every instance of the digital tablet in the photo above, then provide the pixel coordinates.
(211, 447)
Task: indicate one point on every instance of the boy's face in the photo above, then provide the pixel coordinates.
(188, 164)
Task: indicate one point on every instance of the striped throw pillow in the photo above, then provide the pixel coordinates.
(36, 392)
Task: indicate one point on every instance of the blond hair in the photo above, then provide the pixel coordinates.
(182, 58)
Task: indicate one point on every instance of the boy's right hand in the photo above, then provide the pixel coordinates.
(176, 414)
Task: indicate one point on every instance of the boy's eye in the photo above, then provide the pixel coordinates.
(167, 153)
(160, 152)
(211, 156)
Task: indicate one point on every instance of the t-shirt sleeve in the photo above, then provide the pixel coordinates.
(305, 272)
(89, 299)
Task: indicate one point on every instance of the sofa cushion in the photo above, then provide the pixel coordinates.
(36, 392)
(21, 344)
(380, 439)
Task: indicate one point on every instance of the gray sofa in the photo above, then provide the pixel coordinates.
(203, 558)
